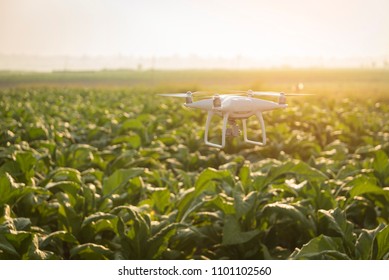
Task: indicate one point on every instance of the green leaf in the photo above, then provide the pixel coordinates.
(158, 243)
(20, 240)
(277, 211)
(381, 166)
(65, 174)
(26, 161)
(34, 253)
(297, 168)
(161, 200)
(119, 179)
(245, 176)
(364, 244)
(233, 234)
(206, 183)
(321, 248)
(70, 187)
(133, 124)
(334, 223)
(381, 162)
(10, 191)
(98, 222)
(91, 251)
(133, 228)
(96, 217)
(36, 133)
(68, 217)
(209, 176)
(382, 238)
(188, 204)
(363, 185)
(222, 203)
(243, 204)
(58, 235)
(22, 224)
(7, 248)
(134, 140)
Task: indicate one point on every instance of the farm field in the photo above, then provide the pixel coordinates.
(95, 165)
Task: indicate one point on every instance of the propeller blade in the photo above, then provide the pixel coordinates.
(181, 95)
(298, 94)
(266, 93)
(202, 94)
(271, 93)
(207, 94)
(256, 93)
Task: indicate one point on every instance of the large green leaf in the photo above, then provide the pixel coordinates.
(26, 161)
(382, 238)
(133, 124)
(11, 191)
(321, 247)
(58, 235)
(161, 200)
(363, 185)
(334, 223)
(233, 234)
(91, 251)
(134, 230)
(119, 179)
(65, 174)
(68, 218)
(70, 187)
(243, 204)
(207, 178)
(297, 168)
(35, 253)
(7, 250)
(158, 243)
(381, 166)
(280, 211)
(96, 217)
(365, 243)
(221, 202)
(206, 184)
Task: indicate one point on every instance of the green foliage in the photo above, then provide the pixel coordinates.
(117, 174)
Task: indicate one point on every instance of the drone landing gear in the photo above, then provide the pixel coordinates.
(260, 118)
(233, 130)
(224, 128)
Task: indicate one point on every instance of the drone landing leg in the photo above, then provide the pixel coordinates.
(224, 129)
(260, 118)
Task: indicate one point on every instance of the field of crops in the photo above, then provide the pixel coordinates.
(97, 166)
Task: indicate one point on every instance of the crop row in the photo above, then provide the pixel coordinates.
(113, 174)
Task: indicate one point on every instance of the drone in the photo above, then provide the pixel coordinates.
(234, 106)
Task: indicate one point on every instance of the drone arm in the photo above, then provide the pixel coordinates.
(260, 118)
(224, 129)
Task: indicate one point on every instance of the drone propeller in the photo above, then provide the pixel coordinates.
(207, 94)
(187, 94)
(271, 93)
(181, 95)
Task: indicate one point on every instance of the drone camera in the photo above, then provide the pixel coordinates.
(188, 98)
(217, 102)
(282, 99)
(233, 130)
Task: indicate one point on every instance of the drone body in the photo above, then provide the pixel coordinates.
(232, 108)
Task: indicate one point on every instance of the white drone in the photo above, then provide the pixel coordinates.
(240, 105)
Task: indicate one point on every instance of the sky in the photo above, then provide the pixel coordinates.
(258, 29)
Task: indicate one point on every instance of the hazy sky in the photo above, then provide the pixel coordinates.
(217, 28)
